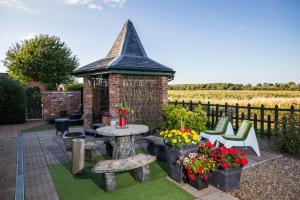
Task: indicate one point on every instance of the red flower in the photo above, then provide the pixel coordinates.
(200, 171)
(237, 160)
(189, 168)
(242, 153)
(223, 149)
(233, 151)
(191, 176)
(222, 155)
(205, 177)
(244, 161)
(125, 112)
(225, 165)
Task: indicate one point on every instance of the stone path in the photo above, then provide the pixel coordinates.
(8, 156)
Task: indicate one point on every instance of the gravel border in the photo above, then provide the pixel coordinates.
(278, 179)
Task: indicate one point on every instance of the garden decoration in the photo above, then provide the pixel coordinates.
(198, 169)
(230, 162)
(179, 142)
(123, 111)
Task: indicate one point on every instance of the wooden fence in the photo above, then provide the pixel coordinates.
(264, 119)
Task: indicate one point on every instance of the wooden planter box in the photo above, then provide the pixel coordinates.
(227, 180)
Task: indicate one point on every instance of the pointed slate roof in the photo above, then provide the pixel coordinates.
(127, 56)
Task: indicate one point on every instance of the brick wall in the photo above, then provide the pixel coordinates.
(87, 102)
(55, 102)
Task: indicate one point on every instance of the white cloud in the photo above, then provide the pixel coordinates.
(93, 6)
(29, 36)
(114, 3)
(14, 4)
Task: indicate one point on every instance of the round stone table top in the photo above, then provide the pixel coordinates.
(61, 119)
(131, 129)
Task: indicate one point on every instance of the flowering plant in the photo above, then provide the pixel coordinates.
(225, 157)
(123, 110)
(178, 138)
(195, 164)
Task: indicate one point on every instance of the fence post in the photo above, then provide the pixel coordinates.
(292, 109)
(183, 103)
(255, 122)
(217, 112)
(276, 116)
(269, 126)
(237, 116)
(212, 118)
(221, 113)
(191, 105)
(243, 116)
(262, 119)
(208, 113)
(226, 108)
(176, 103)
(249, 112)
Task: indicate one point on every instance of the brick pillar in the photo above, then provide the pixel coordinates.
(115, 82)
(164, 93)
(87, 102)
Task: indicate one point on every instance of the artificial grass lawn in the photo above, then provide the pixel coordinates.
(90, 186)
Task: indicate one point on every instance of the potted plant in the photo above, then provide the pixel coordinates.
(178, 142)
(198, 169)
(230, 162)
(123, 111)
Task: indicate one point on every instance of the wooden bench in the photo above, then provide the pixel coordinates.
(156, 146)
(90, 149)
(139, 164)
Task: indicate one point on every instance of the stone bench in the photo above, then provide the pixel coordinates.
(156, 146)
(90, 149)
(139, 164)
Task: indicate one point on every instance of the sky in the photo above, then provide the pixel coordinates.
(238, 41)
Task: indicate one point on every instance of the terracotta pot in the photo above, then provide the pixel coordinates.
(122, 121)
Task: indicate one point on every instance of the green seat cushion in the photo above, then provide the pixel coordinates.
(220, 128)
(213, 132)
(232, 137)
(242, 132)
(244, 129)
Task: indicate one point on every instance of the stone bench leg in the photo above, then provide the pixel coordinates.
(110, 181)
(90, 155)
(109, 149)
(141, 174)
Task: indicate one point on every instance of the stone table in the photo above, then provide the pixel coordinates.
(123, 144)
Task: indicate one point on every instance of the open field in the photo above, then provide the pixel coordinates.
(284, 99)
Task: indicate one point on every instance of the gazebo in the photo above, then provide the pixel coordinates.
(125, 76)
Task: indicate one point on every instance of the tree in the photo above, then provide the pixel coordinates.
(44, 58)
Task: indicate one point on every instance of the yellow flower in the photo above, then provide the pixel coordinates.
(174, 141)
(170, 135)
(195, 137)
(161, 133)
(186, 140)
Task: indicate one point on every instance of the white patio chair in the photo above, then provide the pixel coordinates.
(245, 137)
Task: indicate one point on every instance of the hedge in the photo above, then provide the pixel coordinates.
(12, 102)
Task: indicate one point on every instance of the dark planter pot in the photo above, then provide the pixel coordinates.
(199, 183)
(227, 180)
(174, 171)
(68, 137)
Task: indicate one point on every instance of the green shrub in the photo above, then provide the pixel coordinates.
(74, 86)
(12, 102)
(287, 138)
(174, 115)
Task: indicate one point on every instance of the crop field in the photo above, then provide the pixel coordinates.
(284, 99)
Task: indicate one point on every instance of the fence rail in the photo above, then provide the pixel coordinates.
(264, 119)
